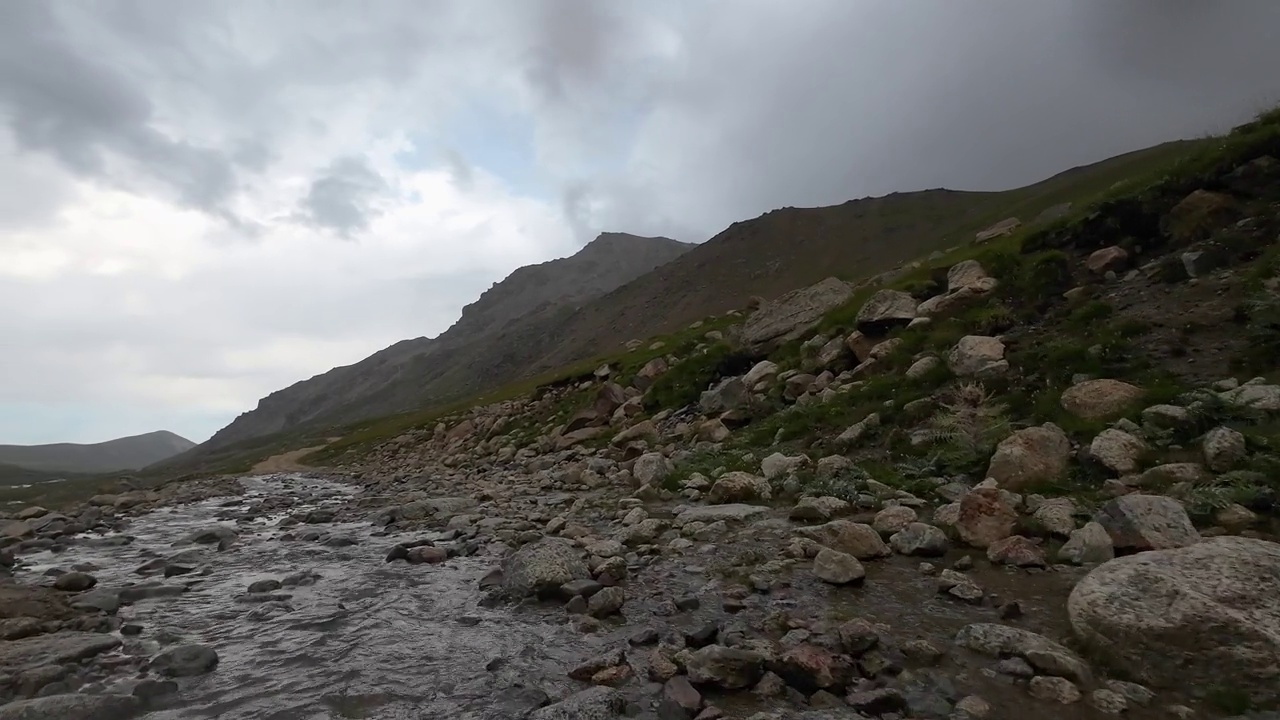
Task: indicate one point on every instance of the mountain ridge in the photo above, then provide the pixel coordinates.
(369, 387)
(134, 452)
(767, 256)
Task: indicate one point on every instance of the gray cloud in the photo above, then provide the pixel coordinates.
(343, 198)
(672, 117)
(764, 107)
(85, 113)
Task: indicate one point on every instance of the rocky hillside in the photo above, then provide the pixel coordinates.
(411, 372)
(1072, 423)
(128, 453)
(571, 310)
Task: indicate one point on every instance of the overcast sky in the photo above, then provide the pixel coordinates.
(203, 202)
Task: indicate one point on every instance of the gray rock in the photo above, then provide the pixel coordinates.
(778, 465)
(1118, 450)
(104, 599)
(837, 568)
(540, 568)
(1056, 516)
(978, 356)
(856, 539)
(680, 701)
(729, 394)
(209, 535)
(1258, 397)
(608, 601)
(597, 703)
(1203, 615)
(919, 538)
(58, 648)
(732, 512)
(75, 581)
(818, 509)
(793, 314)
(185, 661)
(1087, 545)
(1147, 522)
(651, 468)
(73, 707)
(886, 309)
(1223, 448)
(1056, 689)
(1043, 654)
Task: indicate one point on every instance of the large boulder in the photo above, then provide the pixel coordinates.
(795, 313)
(1207, 615)
(886, 310)
(1029, 457)
(541, 567)
(1139, 522)
(724, 667)
(978, 356)
(1099, 399)
(857, 539)
(185, 661)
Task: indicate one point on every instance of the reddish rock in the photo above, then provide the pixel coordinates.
(985, 517)
(1108, 258)
(810, 668)
(1016, 550)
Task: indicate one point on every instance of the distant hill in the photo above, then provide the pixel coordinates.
(621, 287)
(127, 453)
(388, 381)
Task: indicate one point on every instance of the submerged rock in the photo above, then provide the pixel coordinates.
(79, 706)
(185, 661)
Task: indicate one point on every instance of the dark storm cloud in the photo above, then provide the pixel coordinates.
(78, 109)
(768, 106)
(342, 199)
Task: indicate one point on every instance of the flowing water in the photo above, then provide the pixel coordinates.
(392, 641)
(369, 639)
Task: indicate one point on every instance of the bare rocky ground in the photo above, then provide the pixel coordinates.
(1034, 476)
